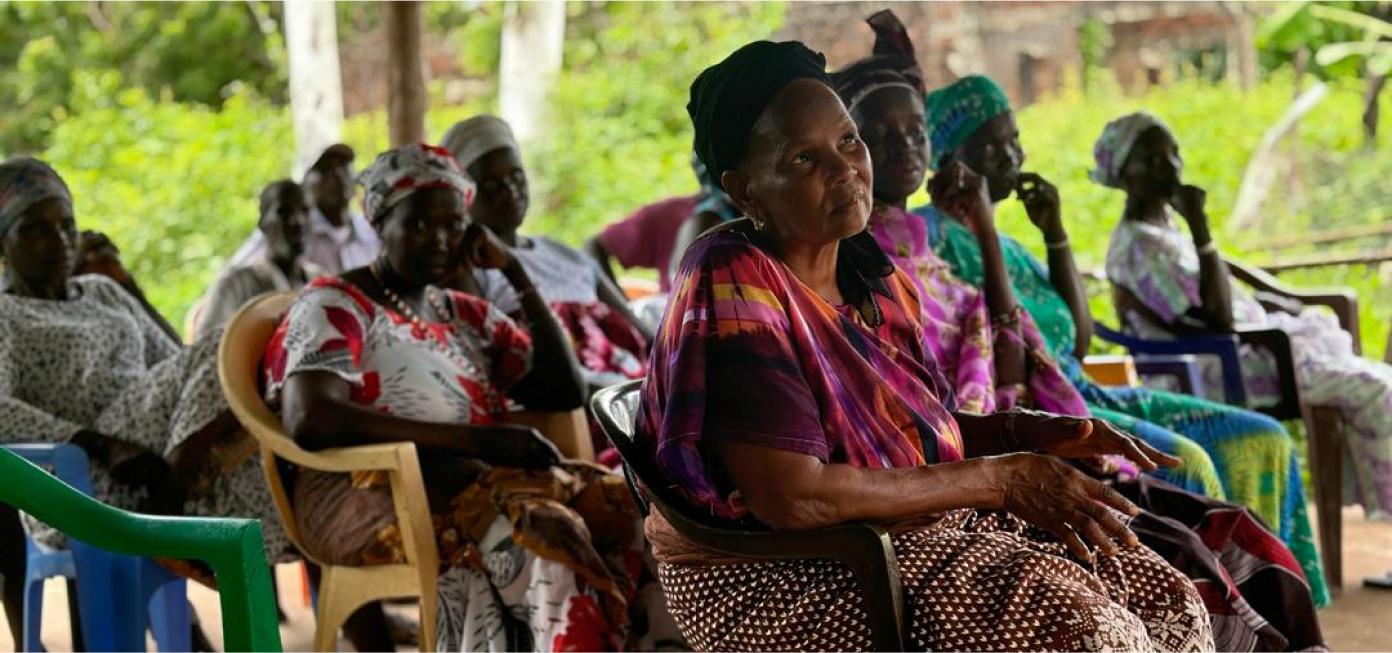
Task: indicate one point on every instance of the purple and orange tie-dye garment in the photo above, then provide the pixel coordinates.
(958, 331)
(749, 353)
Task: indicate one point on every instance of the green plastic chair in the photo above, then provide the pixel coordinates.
(233, 547)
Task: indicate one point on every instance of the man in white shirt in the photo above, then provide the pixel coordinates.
(283, 228)
(339, 238)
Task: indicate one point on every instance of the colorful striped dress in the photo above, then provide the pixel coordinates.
(1253, 455)
(748, 353)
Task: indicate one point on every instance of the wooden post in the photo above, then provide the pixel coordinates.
(316, 86)
(405, 80)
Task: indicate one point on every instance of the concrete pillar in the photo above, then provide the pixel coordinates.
(530, 64)
(316, 86)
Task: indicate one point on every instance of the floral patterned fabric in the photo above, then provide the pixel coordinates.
(610, 348)
(532, 560)
(958, 331)
(1159, 265)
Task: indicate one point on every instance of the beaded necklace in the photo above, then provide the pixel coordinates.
(436, 304)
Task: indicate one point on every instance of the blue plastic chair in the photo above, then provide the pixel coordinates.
(1160, 357)
(117, 595)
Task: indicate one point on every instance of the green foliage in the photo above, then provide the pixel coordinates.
(1218, 127)
(174, 185)
(622, 137)
(1342, 34)
(187, 51)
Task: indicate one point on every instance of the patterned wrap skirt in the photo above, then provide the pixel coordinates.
(973, 581)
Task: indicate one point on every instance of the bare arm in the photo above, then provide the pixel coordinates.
(791, 491)
(959, 191)
(318, 411)
(601, 255)
(1042, 204)
(1215, 287)
(554, 382)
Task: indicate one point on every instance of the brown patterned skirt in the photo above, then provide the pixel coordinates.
(972, 581)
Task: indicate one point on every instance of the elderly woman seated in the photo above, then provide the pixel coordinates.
(1004, 362)
(82, 361)
(1167, 283)
(797, 393)
(537, 552)
(609, 339)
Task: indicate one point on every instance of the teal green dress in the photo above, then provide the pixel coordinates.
(1229, 453)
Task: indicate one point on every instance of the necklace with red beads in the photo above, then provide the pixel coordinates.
(432, 296)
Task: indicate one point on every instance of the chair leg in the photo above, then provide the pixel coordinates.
(1326, 468)
(33, 614)
(334, 608)
(169, 617)
(428, 607)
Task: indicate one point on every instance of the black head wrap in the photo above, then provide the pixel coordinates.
(891, 65)
(728, 98)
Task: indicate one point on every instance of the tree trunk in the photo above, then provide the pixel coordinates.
(530, 63)
(316, 87)
(405, 79)
(1370, 107)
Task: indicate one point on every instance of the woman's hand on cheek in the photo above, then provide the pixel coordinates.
(482, 249)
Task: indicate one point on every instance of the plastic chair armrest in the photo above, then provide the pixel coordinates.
(1278, 343)
(1222, 345)
(568, 430)
(1183, 367)
(234, 547)
(361, 458)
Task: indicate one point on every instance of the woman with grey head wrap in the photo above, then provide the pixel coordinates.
(81, 361)
(609, 339)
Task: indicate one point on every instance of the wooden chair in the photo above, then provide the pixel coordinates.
(864, 547)
(343, 589)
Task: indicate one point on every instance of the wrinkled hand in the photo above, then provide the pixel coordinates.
(483, 249)
(523, 447)
(1053, 496)
(1189, 201)
(1041, 200)
(1076, 437)
(965, 195)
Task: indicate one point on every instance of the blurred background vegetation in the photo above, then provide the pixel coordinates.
(167, 119)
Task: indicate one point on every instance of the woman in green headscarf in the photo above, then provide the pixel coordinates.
(971, 121)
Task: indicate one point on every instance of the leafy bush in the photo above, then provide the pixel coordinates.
(174, 185)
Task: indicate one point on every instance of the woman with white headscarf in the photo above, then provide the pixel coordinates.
(1171, 283)
(609, 339)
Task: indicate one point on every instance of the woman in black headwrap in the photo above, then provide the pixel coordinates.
(796, 393)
